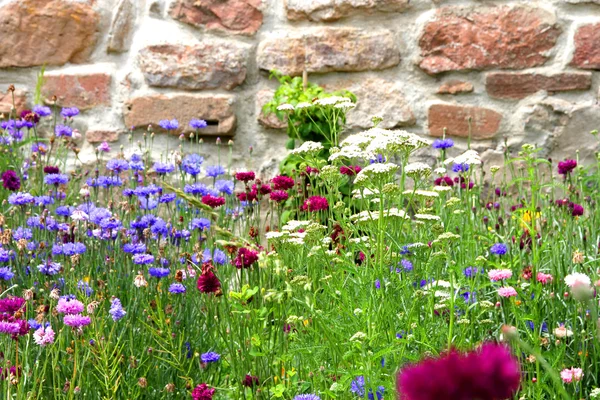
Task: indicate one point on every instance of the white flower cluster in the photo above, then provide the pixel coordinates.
(417, 168)
(334, 101)
(469, 157)
(349, 152)
(365, 216)
(376, 170)
(308, 148)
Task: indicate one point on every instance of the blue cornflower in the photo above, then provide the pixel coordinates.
(6, 255)
(358, 386)
(22, 233)
(176, 288)
(159, 272)
(210, 357)
(159, 227)
(307, 397)
(34, 325)
(224, 186)
(49, 268)
(198, 123)
(167, 198)
(69, 112)
(469, 297)
(85, 288)
(442, 144)
(6, 273)
(200, 223)
(499, 249)
(147, 203)
(116, 309)
(192, 163)
(70, 249)
(142, 259)
(134, 248)
(117, 165)
(39, 148)
(407, 265)
(219, 257)
(377, 284)
(405, 251)
(56, 179)
(42, 111)
(199, 189)
(63, 211)
(470, 272)
(169, 125)
(379, 158)
(380, 391)
(42, 201)
(460, 168)
(20, 199)
(63, 130)
(136, 162)
(214, 171)
(163, 168)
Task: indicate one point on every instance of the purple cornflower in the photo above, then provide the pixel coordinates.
(42, 111)
(307, 397)
(76, 320)
(358, 386)
(499, 249)
(20, 199)
(177, 288)
(224, 186)
(85, 288)
(198, 123)
(10, 328)
(407, 265)
(49, 268)
(103, 147)
(191, 164)
(116, 309)
(159, 272)
(56, 179)
(197, 189)
(377, 284)
(63, 130)
(169, 125)
(39, 148)
(163, 168)
(210, 357)
(470, 272)
(69, 112)
(11, 181)
(214, 171)
(460, 168)
(68, 305)
(442, 144)
(6, 273)
(142, 259)
(116, 165)
(200, 223)
(167, 198)
(22, 233)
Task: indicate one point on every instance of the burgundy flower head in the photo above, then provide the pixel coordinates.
(203, 392)
(11, 181)
(208, 281)
(30, 116)
(263, 189)
(565, 167)
(11, 304)
(490, 373)
(250, 381)
(245, 258)
(213, 201)
(245, 176)
(315, 203)
(50, 169)
(444, 181)
(351, 170)
(576, 210)
(282, 182)
(279, 195)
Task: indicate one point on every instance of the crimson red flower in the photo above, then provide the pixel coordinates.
(245, 258)
(490, 373)
(208, 281)
(49, 169)
(444, 181)
(203, 392)
(282, 182)
(576, 210)
(245, 176)
(11, 181)
(315, 203)
(565, 167)
(263, 189)
(279, 195)
(213, 201)
(250, 381)
(351, 170)
(30, 116)
(247, 196)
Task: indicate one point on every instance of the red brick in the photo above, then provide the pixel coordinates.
(455, 87)
(518, 86)
(101, 136)
(485, 123)
(81, 91)
(587, 50)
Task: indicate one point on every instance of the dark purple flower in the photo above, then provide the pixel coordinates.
(11, 181)
(565, 167)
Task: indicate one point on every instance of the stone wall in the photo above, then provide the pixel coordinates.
(521, 71)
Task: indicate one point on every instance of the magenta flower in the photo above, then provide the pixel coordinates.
(507, 291)
(282, 182)
(279, 195)
(76, 320)
(246, 176)
(576, 210)
(245, 258)
(490, 373)
(213, 201)
(11, 181)
(69, 306)
(565, 167)
(203, 392)
(315, 203)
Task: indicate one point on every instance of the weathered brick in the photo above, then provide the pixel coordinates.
(329, 50)
(83, 91)
(332, 10)
(212, 64)
(587, 50)
(217, 110)
(121, 27)
(455, 87)
(485, 123)
(101, 136)
(511, 37)
(269, 120)
(232, 16)
(51, 32)
(520, 85)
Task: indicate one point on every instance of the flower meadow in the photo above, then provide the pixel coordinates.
(364, 274)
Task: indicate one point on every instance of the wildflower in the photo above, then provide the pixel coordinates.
(315, 203)
(544, 278)
(358, 386)
(169, 125)
(245, 176)
(203, 392)
(442, 144)
(307, 397)
(139, 281)
(577, 278)
(177, 288)
(562, 332)
(10, 328)
(214, 171)
(43, 336)
(116, 309)
(245, 258)
(6, 273)
(163, 168)
(116, 166)
(569, 375)
(213, 201)
(159, 272)
(577, 210)
(76, 320)
(210, 357)
(224, 186)
(11, 181)
(63, 130)
(142, 259)
(198, 123)
(351, 170)
(565, 167)
(444, 181)
(192, 163)
(282, 182)
(67, 305)
(497, 372)
(20, 199)
(507, 291)
(42, 111)
(471, 272)
(499, 249)
(279, 196)
(499, 274)
(308, 148)
(208, 281)
(250, 381)
(69, 112)
(56, 179)
(406, 265)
